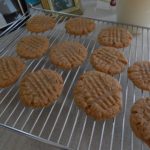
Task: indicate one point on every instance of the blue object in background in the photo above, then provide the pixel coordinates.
(33, 2)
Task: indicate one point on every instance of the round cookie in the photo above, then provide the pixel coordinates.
(139, 74)
(32, 46)
(79, 26)
(99, 95)
(10, 70)
(40, 88)
(108, 60)
(115, 37)
(68, 55)
(40, 23)
(140, 119)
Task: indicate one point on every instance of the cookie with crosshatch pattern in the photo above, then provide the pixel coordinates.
(40, 23)
(40, 88)
(68, 54)
(32, 46)
(140, 119)
(115, 37)
(98, 94)
(10, 70)
(108, 60)
(139, 74)
(80, 26)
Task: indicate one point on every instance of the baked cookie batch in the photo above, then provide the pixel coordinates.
(97, 92)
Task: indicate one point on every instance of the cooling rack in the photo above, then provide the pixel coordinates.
(63, 125)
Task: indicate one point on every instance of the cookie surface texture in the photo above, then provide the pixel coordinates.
(40, 23)
(79, 26)
(108, 60)
(115, 37)
(140, 119)
(40, 88)
(32, 46)
(68, 55)
(99, 95)
(139, 74)
(10, 70)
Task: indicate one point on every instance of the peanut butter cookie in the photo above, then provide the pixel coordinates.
(99, 95)
(40, 23)
(68, 55)
(79, 26)
(10, 70)
(140, 119)
(115, 37)
(139, 74)
(108, 60)
(40, 88)
(32, 46)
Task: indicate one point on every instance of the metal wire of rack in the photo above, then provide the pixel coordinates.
(63, 125)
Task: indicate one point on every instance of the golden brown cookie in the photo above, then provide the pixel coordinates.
(68, 54)
(40, 23)
(139, 74)
(40, 88)
(108, 60)
(140, 119)
(99, 95)
(115, 37)
(10, 70)
(79, 26)
(32, 46)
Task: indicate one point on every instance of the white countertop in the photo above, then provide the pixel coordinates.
(93, 9)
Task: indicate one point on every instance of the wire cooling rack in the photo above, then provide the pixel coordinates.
(63, 125)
